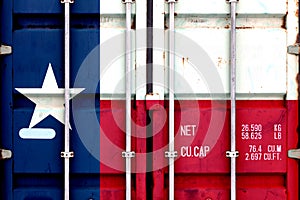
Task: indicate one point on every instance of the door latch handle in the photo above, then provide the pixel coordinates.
(294, 153)
(5, 154)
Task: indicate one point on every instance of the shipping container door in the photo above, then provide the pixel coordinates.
(32, 97)
(113, 102)
(266, 106)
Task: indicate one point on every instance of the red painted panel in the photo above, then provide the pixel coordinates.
(265, 130)
(112, 144)
(112, 137)
(292, 143)
(261, 140)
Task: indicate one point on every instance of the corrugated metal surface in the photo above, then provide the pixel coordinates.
(35, 31)
(267, 107)
(267, 110)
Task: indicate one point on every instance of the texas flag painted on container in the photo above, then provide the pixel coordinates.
(33, 98)
(124, 99)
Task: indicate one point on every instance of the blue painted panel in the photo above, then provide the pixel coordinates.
(29, 73)
(37, 194)
(37, 156)
(34, 49)
(85, 51)
(32, 52)
(6, 100)
(84, 160)
(85, 193)
(85, 64)
(35, 6)
(37, 35)
(54, 6)
(55, 194)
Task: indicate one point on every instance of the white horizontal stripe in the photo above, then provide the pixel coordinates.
(37, 133)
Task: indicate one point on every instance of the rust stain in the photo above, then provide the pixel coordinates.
(227, 26)
(245, 27)
(166, 25)
(298, 38)
(185, 60)
(196, 20)
(133, 23)
(221, 61)
(284, 22)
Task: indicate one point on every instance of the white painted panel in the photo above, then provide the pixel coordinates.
(212, 41)
(212, 7)
(292, 60)
(113, 7)
(261, 59)
(158, 53)
(141, 43)
(264, 32)
(114, 72)
(112, 53)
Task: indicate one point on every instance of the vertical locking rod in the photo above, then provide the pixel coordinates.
(233, 153)
(128, 62)
(128, 99)
(171, 96)
(67, 105)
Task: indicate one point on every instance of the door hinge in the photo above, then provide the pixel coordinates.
(67, 154)
(4, 50)
(232, 154)
(5, 154)
(294, 49)
(128, 154)
(67, 1)
(294, 153)
(171, 154)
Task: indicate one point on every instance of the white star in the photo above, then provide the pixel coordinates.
(49, 99)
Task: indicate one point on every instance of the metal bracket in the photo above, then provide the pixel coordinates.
(171, 154)
(232, 154)
(128, 1)
(294, 49)
(4, 50)
(67, 1)
(5, 154)
(232, 1)
(171, 1)
(294, 153)
(67, 154)
(126, 154)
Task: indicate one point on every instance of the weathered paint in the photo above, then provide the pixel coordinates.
(266, 86)
(34, 29)
(266, 92)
